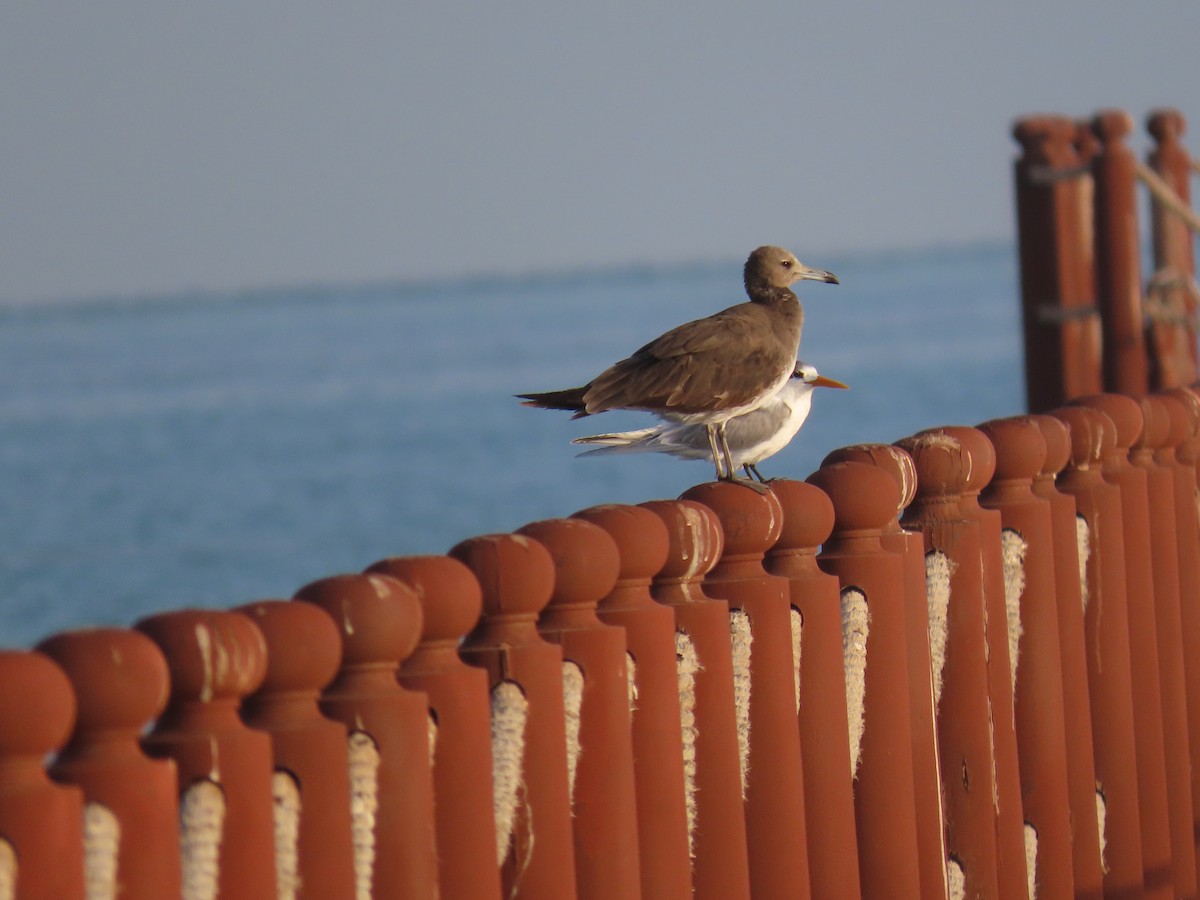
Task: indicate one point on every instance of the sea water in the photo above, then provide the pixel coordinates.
(213, 449)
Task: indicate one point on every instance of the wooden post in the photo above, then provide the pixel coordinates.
(314, 840)
(597, 700)
(1118, 253)
(451, 602)
(824, 729)
(717, 823)
(379, 620)
(641, 540)
(120, 681)
(41, 822)
(516, 574)
(1106, 626)
(763, 633)
(1061, 320)
(228, 827)
(1173, 314)
(872, 578)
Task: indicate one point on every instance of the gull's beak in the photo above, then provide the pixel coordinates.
(822, 381)
(807, 274)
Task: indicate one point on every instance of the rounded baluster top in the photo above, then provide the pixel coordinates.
(38, 707)
(695, 541)
(1093, 434)
(378, 617)
(1045, 139)
(1166, 125)
(1057, 436)
(1125, 412)
(304, 649)
(942, 462)
(640, 535)
(1112, 125)
(807, 515)
(586, 562)
(515, 573)
(211, 654)
(1191, 406)
(889, 457)
(864, 498)
(449, 594)
(750, 521)
(120, 676)
(1157, 424)
(1179, 426)
(1019, 446)
(982, 454)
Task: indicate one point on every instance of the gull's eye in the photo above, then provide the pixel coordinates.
(787, 263)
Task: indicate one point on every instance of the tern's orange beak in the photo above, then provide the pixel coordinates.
(822, 381)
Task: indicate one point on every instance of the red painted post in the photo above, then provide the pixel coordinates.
(1172, 332)
(1077, 716)
(656, 720)
(1106, 628)
(532, 793)
(120, 682)
(1011, 839)
(41, 823)
(911, 546)
(824, 730)
(1038, 699)
(226, 808)
(314, 845)
(1183, 415)
(958, 634)
(458, 702)
(1165, 830)
(864, 501)
(712, 773)
(764, 669)
(597, 700)
(1118, 253)
(1061, 321)
(395, 851)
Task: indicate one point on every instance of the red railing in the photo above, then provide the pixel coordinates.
(963, 665)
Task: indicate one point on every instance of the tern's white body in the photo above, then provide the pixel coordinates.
(753, 436)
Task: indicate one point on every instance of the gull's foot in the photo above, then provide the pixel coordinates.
(759, 487)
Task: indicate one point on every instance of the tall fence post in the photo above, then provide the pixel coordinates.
(226, 805)
(131, 809)
(641, 539)
(1106, 626)
(596, 699)
(763, 631)
(314, 848)
(451, 603)
(876, 657)
(1143, 595)
(41, 822)
(911, 546)
(704, 655)
(960, 650)
(1173, 287)
(1077, 714)
(1038, 698)
(379, 619)
(1060, 318)
(1118, 253)
(529, 750)
(821, 688)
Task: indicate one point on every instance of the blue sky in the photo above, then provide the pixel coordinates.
(159, 147)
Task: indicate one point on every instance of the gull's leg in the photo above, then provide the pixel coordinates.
(752, 471)
(716, 452)
(733, 476)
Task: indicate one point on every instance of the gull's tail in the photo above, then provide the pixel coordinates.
(569, 399)
(640, 441)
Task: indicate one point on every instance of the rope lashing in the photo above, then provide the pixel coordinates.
(8, 871)
(1083, 545)
(797, 629)
(287, 835)
(1159, 305)
(742, 637)
(956, 879)
(572, 708)
(937, 591)
(201, 825)
(1166, 195)
(1031, 849)
(687, 665)
(855, 625)
(510, 710)
(364, 805)
(101, 843)
(1013, 548)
